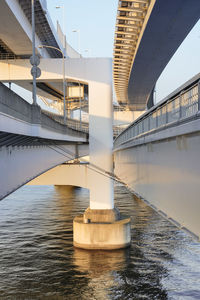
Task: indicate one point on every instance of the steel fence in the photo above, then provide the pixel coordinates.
(77, 125)
(182, 106)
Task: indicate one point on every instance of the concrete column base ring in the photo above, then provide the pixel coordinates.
(101, 235)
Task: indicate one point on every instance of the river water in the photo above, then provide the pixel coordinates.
(38, 260)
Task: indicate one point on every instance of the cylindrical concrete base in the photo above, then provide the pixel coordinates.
(107, 236)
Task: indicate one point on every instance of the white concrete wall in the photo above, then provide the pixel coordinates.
(166, 173)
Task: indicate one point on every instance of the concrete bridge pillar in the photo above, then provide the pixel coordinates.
(100, 146)
(101, 226)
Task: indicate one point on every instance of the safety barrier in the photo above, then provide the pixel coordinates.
(77, 125)
(181, 106)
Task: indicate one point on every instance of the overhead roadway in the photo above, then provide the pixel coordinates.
(148, 32)
(16, 36)
(16, 32)
(16, 41)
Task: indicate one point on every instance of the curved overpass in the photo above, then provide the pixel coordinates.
(23, 160)
(75, 174)
(147, 35)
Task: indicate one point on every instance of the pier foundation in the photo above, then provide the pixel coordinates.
(101, 229)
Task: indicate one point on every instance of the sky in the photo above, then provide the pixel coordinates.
(184, 64)
(94, 18)
(96, 21)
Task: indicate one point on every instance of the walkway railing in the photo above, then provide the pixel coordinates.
(72, 123)
(79, 126)
(182, 105)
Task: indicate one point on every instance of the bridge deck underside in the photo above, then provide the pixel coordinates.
(23, 159)
(167, 25)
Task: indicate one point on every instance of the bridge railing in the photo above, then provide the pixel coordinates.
(72, 123)
(183, 105)
(77, 125)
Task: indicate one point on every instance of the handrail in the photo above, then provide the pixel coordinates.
(183, 105)
(72, 123)
(77, 125)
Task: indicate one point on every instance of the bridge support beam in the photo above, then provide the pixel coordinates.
(101, 226)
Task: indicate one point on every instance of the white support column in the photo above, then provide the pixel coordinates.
(101, 226)
(100, 145)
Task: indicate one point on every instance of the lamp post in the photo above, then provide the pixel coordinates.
(33, 50)
(79, 40)
(63, 25)
(80, 106)
(63, 57)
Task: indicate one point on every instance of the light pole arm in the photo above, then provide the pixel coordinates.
(52, 47)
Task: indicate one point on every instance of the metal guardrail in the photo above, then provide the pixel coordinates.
(6, 56)
(181, 106)
(71, 123)
(77, 125)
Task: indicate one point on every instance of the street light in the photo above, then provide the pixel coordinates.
(63, 56)
(80, 106)
(79, 40)
(33, 50)
(63, 21)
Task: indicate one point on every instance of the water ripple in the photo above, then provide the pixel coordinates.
(38, 261)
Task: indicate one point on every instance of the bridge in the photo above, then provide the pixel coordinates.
(155, 156)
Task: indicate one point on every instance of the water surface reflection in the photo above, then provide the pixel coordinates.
(38, 261)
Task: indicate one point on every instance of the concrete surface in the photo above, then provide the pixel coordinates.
(107, 236)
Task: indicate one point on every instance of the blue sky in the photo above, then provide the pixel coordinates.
(94, 18)
(184, 64)
(96, 21)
